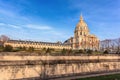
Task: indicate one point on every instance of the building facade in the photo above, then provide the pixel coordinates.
(37, 45)
(82, 40)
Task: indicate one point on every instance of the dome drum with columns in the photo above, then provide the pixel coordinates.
(82, 38)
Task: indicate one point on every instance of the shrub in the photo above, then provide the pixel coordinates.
(24, 48)
(64, 51)
(8, 48)
(106, 52)
(70, 51)
(89, 51)
(117, 52)
(30, 49)
(48, 50)
(1, 48)
(81, 51)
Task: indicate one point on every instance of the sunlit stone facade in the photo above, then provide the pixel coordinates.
(82, 40)
(37, 45)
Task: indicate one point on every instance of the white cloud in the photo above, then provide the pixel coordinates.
(1, 24)
(9, 25)
(38, 27)
(13, 26)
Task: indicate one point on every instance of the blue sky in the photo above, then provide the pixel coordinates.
(55, 20)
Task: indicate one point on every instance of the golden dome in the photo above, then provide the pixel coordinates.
(81, 25)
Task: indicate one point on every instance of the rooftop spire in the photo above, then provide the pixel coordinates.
(81, 18)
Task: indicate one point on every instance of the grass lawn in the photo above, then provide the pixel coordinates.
(107, 77)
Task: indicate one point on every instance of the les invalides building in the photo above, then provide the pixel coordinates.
(82, 40)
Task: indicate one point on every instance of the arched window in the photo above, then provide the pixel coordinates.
(80, 33)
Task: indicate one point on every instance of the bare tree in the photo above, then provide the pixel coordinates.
(112, 45)
(4, 38)
(117, 41)
(105, 44)
(102, 46)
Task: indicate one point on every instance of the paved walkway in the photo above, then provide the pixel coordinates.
(78, 76)
(85, 76)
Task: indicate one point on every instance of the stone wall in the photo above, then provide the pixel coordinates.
(22, 58)
(19, 71)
